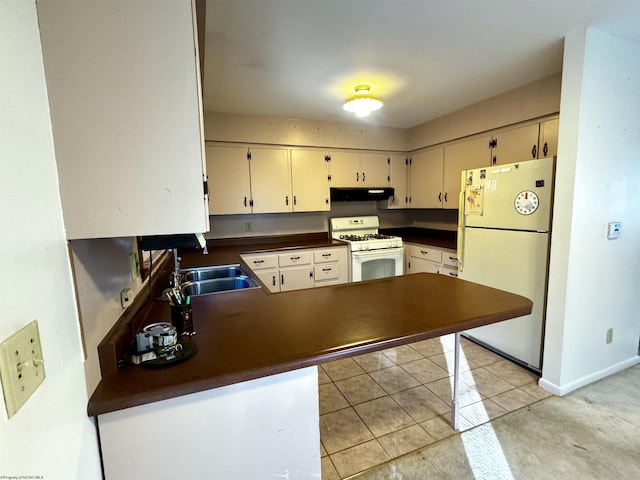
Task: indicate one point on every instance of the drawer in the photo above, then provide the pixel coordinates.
(326, 272)
(450, 258)
(258, 262)
(324, 256)
(449, 271)
(425, 252)
(294, 258)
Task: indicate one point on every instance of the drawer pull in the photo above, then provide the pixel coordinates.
(453, 274)
(257, 262)
(424, 252)
(293, 259)
(327, 269)
(326, 255)
(453, 259)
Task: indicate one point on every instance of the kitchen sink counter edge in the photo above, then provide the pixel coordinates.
(248, 334)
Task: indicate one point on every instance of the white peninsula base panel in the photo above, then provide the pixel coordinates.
(264, 428)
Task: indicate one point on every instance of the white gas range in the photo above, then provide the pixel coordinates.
(371, 254)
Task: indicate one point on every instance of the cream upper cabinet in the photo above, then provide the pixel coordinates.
(472, 153)
(398, 172)
(375, 170)
(126, 112)
(425, 178)
(515, 144)
(229, 180)
(310, 181)
(344, 168)
(270, 180)
(548, 145)
(352, 169)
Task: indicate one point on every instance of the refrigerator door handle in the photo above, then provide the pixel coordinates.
(461, 219)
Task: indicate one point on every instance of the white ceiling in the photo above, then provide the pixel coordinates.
(424, 58)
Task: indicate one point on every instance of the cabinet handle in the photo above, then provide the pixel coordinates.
(326, 255)
(440, 197)
(295, 201)
(257, 262)
(327, 269)
(453, 259)
(311, 274)
(445, 197)
(545, 149)
(286, 200)
(274, 280)
(245, 201)
(363, 177)
(281, 279)
(424, 252)
(493, 160)
(534, 151)
(293, 259)
(357, 176)
(452, 274)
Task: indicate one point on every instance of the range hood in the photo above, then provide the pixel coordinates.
(349, 194)
(161, 242)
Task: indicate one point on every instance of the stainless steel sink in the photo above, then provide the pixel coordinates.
(209, 273)
(216, 285)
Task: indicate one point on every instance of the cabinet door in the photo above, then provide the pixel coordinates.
(270, 277)
(398, 172)
(270, 180)
(309, 181)
(345, 169)
(473, 153)
(296, 278)
(425, 179)
(124, 99)
(229, 184)
(375, 170)
(515, 145)
(548, 145)
(419, 265)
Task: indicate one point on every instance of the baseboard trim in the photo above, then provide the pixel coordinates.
(561, 390)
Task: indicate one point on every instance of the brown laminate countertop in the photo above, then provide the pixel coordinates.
(247, 334)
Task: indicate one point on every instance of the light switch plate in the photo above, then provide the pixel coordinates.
(21, 366)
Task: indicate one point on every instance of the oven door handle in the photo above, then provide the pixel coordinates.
(380, 252)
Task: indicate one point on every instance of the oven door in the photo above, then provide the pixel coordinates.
(371, 264)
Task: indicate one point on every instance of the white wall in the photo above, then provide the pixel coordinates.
(102, 270)
(50, 435)
(594, 283)
(537, 99)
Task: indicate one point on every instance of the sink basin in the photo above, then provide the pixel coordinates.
(208, 273)
(216, 285)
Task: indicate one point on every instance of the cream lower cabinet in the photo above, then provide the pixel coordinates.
(299, 268)
(424, 258)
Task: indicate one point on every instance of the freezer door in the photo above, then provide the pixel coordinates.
(516, 262)
(516, 196)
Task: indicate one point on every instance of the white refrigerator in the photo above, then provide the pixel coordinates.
(504, 228)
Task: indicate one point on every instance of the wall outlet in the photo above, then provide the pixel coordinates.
(126, 297)
(21, 366)
(609, 335)
(248, 227)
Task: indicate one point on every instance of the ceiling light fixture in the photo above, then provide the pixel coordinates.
(362, 103)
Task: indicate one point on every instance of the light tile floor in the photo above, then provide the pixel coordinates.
(382, 405)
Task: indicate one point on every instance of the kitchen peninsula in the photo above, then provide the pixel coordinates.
(251, 391)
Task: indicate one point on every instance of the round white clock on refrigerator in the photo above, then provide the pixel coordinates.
(526, 202)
